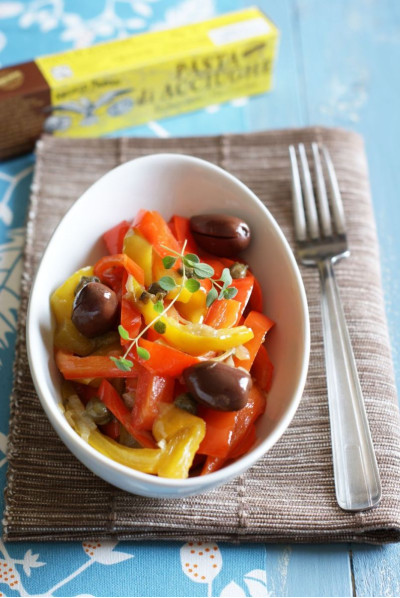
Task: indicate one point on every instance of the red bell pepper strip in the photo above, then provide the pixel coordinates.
(94, 366)
(181, 226)
(156, 231)
(245, 419)
(112, 267)
(112, 429)
(114, 237)
(111, 399)
(244, 287)
(219, 431)
(85, 392)
(151, 390)
(245, 445)
(260, 324)
(223, 313)
(263, 369)
(131, 319)
(164, 360)
(256, 297)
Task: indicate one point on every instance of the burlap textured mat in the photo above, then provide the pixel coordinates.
(288, 496)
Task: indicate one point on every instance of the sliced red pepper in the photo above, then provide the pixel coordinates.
(111, 399)
(223, 313)
(219, 431)
(245, 445)
(114, 237)
(131, 319)
(181, 226)
(112, 429)
(111, 269)
(153, 227)
(256, 298)
(164, 360)
(262, 369)
(244, 287)
(244, 420)
(94, 366)
(85, 392)
(151, 391)
(260, 324)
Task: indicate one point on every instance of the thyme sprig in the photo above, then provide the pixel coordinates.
(193, 270)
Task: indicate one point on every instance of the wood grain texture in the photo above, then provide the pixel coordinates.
(355, 84)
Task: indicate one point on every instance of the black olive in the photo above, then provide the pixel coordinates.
(220, 234)
(218, 385)
(95, 309)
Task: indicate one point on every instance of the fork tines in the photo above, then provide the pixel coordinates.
(324, 218)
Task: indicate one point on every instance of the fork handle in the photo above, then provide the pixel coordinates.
(357, 482)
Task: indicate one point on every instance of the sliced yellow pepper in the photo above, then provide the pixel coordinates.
(140, 251)
(195, 309)
(196, 339)
(141, 459)
(67, 336)
(159, 271)
(183, 433)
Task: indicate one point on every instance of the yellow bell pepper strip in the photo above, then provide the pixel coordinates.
(67, 336)
(141, 459)
(196, 339)
(140, 251)
(159, 271)
(183, 433)
(195, 309)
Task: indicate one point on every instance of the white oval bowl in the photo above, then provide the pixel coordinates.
(183, 185)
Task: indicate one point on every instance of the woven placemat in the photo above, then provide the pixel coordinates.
(288, 496)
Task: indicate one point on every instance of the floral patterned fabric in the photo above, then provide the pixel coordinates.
(28, 29)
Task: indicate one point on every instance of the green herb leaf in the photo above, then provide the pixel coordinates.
(168, 261)
(202, 270)
(211, 297)
(226, 277)
(229, 293)
(123, 333)
(125, 365)
(160, 327)
(192, 285)
(159, 307)
(143, 353)
(167, 283)
(190, 259)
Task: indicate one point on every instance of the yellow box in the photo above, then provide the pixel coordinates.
(118, 84)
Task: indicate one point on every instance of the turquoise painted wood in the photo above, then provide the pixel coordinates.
(337, 65)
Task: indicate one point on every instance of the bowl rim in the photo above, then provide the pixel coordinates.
(54, 412)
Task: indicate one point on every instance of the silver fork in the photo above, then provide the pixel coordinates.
(321, 240)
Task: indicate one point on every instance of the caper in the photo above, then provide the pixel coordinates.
(156, 289)
(238, 270)
(127, 439)
(145, 297)
(186, 401)
(98, 412)
(83, 281)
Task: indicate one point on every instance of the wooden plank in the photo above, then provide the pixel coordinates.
(350, 86)
(309, 570)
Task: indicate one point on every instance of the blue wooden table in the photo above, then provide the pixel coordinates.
(337, 65)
